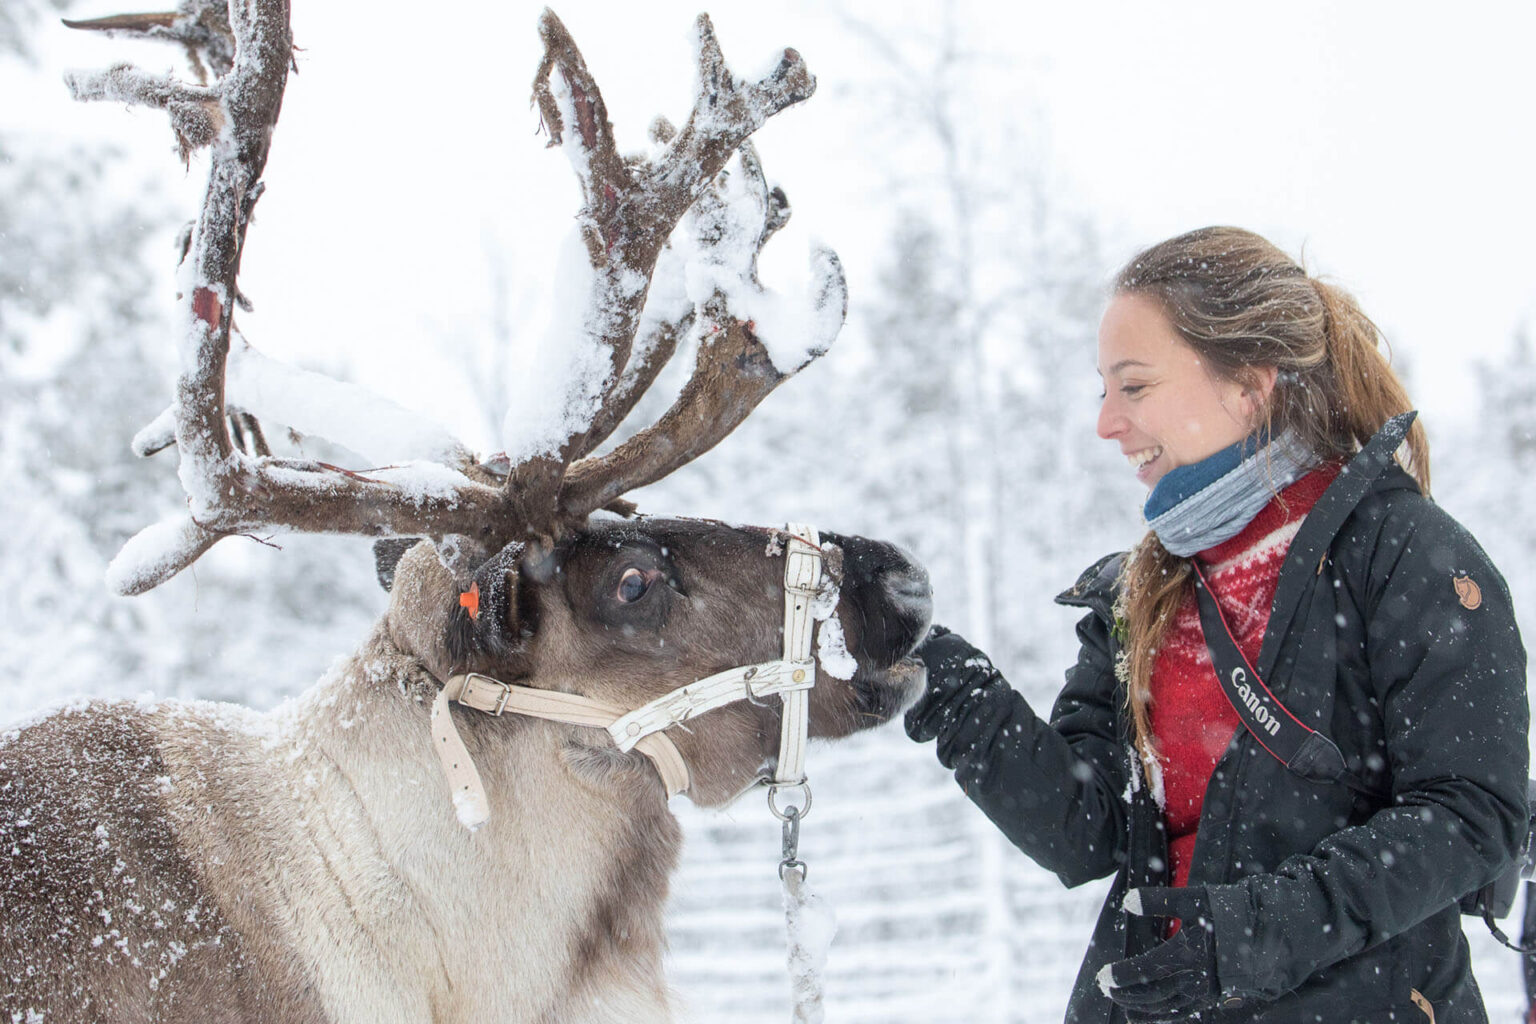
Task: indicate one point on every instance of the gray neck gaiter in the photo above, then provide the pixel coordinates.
(1219, 510)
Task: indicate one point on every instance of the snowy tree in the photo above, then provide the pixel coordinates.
(17, 18)
(993, 284)
(75, 382)
(1510, 390)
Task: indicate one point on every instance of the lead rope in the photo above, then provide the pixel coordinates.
(809, 923)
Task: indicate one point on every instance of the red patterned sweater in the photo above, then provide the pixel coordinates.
(1192, 720)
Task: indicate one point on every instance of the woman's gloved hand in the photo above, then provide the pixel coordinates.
(957, 671)
(1177, 978)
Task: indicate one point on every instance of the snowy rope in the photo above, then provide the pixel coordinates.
(810, 924)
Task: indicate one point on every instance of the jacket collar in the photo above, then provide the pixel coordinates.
(1096, 588)
(1310, 546)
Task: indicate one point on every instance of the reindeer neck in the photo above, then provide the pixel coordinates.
(355, 852)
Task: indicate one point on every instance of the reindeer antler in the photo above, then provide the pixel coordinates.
(228, 491)
(735, 369)
(198, 26)
(631, 209)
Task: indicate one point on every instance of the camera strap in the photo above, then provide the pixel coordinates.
(1301, 748)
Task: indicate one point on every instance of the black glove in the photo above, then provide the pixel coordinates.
(1177, 978)
(956, 670)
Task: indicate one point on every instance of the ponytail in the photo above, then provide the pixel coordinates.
(1368, 389)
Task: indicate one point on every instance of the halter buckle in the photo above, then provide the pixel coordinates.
(776, 677)
(802, 563)
(500, 704)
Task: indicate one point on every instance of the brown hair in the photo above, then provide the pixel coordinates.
(1241, 303)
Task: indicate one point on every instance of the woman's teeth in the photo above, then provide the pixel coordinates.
(1141, 458)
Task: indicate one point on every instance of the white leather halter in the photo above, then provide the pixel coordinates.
(791, 677)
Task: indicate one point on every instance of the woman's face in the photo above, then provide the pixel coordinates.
(1161, 404)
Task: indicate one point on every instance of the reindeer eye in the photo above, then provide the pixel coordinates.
(633, 585)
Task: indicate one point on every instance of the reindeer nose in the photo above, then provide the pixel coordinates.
(911, 599)
(891, 588)
(908, 587)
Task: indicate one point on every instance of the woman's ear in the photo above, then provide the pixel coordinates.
(1259, 386)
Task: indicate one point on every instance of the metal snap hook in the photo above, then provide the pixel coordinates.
(791, 847)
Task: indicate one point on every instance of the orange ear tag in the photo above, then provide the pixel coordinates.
(470, 600)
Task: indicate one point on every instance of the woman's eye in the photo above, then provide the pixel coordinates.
(1132, 390)
(633, 585)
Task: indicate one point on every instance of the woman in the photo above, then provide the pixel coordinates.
(1246, 396)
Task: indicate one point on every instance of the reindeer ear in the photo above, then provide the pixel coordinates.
(462, 637)
(485, 619)
(386, 557)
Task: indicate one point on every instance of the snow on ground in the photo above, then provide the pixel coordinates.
(940, 921)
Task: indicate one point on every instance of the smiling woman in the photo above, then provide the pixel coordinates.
(1255, 404)
(1162, 402)
(1230, 316)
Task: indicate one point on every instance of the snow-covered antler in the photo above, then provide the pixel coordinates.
(200, 26)
(230, 491)
(739, 363)
(631, 209)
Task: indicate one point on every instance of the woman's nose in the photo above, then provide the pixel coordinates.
(1111, 421)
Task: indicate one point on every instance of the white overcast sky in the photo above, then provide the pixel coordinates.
(1393, 141)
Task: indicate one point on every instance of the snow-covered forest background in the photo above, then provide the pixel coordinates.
(981, 175)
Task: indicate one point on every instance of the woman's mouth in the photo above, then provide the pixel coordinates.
(1143, 457)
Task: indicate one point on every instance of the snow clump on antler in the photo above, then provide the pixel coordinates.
(563, 390)
(721, 240)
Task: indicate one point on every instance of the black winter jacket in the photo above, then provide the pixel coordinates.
(1331, 906)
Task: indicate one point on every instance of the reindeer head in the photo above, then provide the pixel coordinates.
(625, 612)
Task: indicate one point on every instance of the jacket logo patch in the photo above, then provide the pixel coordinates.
(1470, 593)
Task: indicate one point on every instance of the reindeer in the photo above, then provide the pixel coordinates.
(468, 819)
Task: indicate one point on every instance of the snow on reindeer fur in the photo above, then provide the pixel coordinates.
(831, 644)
